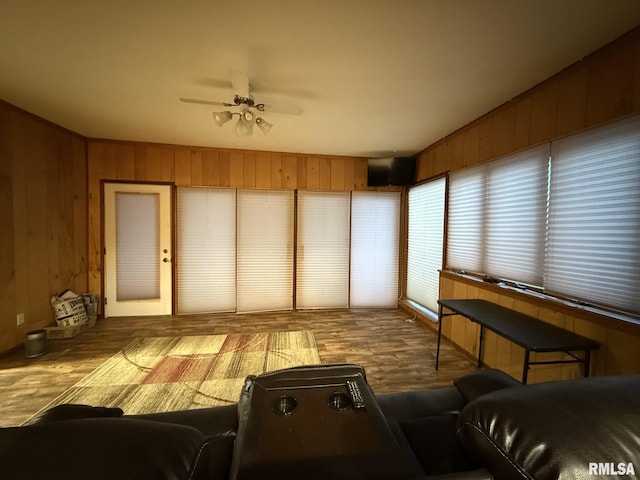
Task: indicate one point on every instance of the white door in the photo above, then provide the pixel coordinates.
(138, 252)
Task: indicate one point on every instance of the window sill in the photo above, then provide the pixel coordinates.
(587, 312)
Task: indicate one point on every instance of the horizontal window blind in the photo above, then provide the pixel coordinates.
(265, 250)
(594, 216)
(375, 240)
(515, 219)
(466, 210)
(322, 271)
(138, 246)
(497, 214)
(425, 242)
(206, 241)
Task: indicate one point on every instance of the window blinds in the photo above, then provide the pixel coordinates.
(516, 201)
(206, 257)
(594, 216)
(264, 250)
(138, 246)
(497, 214)
(375, 224)
(322, 270)
(425, 242)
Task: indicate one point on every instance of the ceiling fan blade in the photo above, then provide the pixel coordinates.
(205, 102)
(286, 108)
(240, 83)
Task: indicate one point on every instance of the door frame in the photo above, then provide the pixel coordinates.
(172, 252)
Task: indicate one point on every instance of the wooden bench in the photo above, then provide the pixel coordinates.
(530, 333)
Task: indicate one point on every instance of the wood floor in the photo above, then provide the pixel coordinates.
(397, 352)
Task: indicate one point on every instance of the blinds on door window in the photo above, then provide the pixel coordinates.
(594, 216)
(322, 270)
(375, 242)
(425, 242)
(138, 246)
(264, 250)
(206, 256)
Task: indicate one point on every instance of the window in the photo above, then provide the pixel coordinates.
(322, 270)
(497, 217)
(593, 250)
(375, 245)
(568, 222)
(206, 260)
(426, 234)
(265, 250)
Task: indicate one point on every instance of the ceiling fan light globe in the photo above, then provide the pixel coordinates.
(244, 129)
(263, 125)
(222, 117)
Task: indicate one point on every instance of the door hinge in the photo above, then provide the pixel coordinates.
(105, 300)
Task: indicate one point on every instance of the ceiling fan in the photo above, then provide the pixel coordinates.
(245, 107)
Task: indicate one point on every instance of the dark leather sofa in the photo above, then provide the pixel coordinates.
(487, 425)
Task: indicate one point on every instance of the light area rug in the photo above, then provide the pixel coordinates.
(161, 374)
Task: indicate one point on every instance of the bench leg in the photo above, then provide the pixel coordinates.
(439, 334)
(587, 361)
(480, 346)
(525, 369)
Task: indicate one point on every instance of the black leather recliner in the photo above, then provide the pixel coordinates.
(486, 426)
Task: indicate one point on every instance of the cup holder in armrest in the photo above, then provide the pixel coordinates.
(339, 401)
(284, 405)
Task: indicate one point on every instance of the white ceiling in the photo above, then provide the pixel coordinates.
(374, 77)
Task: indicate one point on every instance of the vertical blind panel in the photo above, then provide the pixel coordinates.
(265, 250)
(322, 271)
(425, 243)
(515, 210)
(375, 234)
(137, 246)
(594, 216)
(465, 233)
(206, 259)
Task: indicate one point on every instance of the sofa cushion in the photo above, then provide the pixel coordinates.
(104, 448)
(555, 430)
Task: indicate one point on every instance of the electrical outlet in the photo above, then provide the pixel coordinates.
(20, 318)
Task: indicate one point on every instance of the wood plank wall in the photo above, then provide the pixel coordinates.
(191, 166)
(603, 87)
(43, 212)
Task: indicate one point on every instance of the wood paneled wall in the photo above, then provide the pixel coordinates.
(603, 87)
(190, 166)
(43, 212)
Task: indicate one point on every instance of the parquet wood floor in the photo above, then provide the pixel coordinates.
(397, 352)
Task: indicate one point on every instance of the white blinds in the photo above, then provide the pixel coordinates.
(594, 216)
(265, 250)
(465, 234)
(516, 215)
(322, 270)
(375, 224)
(425, 242)
(497, 214)
(206, 256)
(138, 246)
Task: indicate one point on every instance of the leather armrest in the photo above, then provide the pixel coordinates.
(104, 449)
(69, 411)
(482, 382)
(554, 430)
